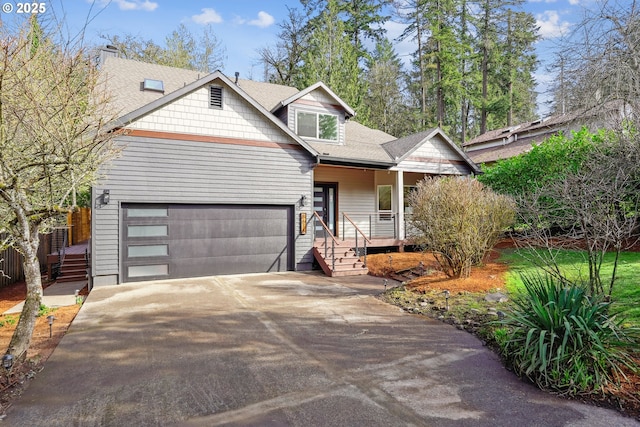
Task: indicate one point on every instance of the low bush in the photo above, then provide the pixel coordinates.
(563, 339)
(459, 220)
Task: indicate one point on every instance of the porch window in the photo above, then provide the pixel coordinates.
(317, 125)
(384, 203)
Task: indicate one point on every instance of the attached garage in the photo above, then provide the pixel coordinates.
(173, 241)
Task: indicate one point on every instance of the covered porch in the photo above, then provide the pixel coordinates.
(355, 203)
(361, 197)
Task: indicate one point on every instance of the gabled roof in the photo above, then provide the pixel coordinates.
(511, 141)
(363, 147)
(123, 78)
(493, 154)
(267, 94)
(401, 148)
(161, 100)
(284, 103)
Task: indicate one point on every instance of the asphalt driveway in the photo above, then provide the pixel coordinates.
(274, 350)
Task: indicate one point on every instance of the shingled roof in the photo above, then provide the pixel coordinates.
(363, 146)
(511, 141)
(124, 76)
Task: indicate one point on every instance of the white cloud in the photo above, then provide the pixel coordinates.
(264, 20)
(146, 5)
(208, 16)
(550, 24)
(238, 20)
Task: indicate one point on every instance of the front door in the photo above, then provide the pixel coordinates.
(325, 204)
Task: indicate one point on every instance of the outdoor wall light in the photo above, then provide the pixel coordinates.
(105, 196)
(303, 200)
(7, 362)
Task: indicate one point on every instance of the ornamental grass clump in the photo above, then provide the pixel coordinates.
(564, 340)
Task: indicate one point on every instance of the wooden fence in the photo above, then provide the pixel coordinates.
(11, 269)
(80, 223)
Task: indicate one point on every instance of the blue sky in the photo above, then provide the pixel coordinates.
(243, 26)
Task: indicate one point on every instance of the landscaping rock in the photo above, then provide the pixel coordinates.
(496, 297)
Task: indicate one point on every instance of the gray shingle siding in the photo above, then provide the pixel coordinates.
(171, 171)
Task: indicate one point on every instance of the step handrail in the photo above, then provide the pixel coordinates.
(315, 213)
(357, 230)
(334, 241)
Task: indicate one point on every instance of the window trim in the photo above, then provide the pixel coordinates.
(384, 214)
(317, 115)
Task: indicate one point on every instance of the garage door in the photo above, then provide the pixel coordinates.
(172, 241)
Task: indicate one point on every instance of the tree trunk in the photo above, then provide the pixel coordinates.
(22, 336)
(485, 71)
(423, 91)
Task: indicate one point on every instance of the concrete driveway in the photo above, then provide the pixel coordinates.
(274, 350)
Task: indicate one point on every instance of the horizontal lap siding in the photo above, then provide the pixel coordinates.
(168, 171)
(356, 192)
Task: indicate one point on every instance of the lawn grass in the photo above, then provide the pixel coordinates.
(626, 290)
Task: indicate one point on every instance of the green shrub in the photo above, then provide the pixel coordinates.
(563, 339)
(545, 163)
(44, 310)
(8, 320)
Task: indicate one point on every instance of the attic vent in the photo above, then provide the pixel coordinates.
(215, 97)
(153, 85)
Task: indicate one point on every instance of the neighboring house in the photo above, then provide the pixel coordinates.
(218, 176)
(511, 141)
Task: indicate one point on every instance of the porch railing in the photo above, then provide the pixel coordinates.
(373, 225)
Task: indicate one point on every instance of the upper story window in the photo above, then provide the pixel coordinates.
(317, 125)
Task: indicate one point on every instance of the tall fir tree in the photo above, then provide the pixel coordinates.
(330, 57)
(384, 98)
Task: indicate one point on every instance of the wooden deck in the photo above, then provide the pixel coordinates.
(373, 243)
(79, 249)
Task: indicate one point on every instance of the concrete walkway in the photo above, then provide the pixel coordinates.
(285, 349)
(56, 295)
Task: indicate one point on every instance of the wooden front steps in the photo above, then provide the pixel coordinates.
(347, 262)
(74, 266)
(73, 269)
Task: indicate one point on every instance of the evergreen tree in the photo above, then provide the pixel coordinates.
(384, 97)
(330, 57)
(506, 39)
(413, 14)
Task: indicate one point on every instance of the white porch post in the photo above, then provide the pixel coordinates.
(400, 204)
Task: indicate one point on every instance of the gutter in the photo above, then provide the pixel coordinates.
(339, 161)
